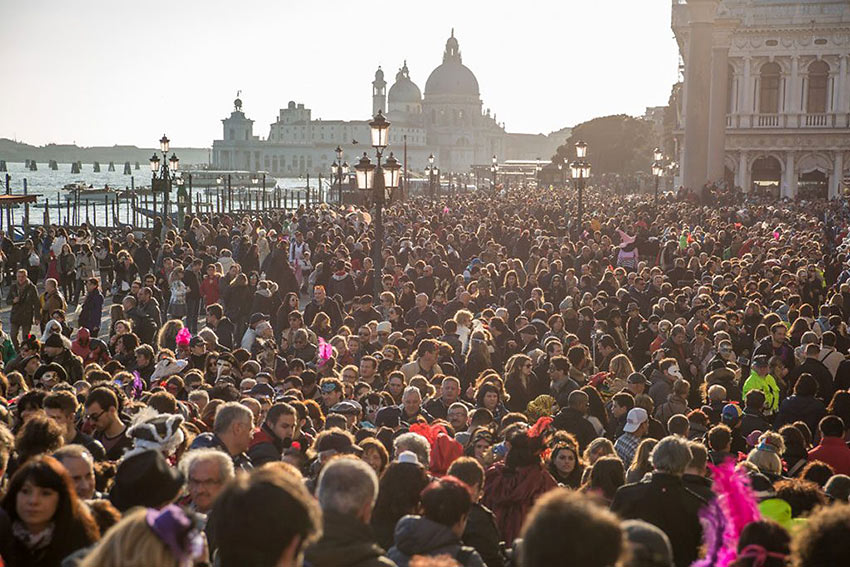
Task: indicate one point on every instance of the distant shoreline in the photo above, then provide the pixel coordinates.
(18, 152)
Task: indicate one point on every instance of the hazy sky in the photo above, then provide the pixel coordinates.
(103, 72)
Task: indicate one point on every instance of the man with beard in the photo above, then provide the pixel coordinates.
(274, 435)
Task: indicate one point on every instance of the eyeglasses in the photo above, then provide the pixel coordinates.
(95, 417)
(208, 482)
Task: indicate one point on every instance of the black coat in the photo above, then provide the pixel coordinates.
(574, 422)
(800, 408)
(819, 372)
(482, 534)
(664, 501)
(345, 542)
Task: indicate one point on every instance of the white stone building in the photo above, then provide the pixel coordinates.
(449, 121)
(766, 96)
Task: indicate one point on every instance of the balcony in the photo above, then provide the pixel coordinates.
(815, 120)
(769, 121)
(819, 120)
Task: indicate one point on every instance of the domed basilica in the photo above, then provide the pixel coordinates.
(448, 121)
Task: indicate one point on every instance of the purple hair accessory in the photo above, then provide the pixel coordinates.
(177, 531)
(138, 386)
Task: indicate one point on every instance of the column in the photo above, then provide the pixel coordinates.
(742, 176)
(837, 175)
(698, 86)
(789, 184)
(745, 105)
(719, 98)
(794, 90)
(842, 107)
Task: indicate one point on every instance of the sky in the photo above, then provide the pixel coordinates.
(105, 72)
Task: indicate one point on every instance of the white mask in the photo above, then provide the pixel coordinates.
(675, 372)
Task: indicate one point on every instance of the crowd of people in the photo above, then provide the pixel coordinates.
(664, 385)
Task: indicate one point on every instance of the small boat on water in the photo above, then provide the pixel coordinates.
(79, 191)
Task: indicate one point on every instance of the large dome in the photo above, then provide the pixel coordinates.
(452, 77)
(404, 90)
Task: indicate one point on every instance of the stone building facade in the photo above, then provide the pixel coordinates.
(766, 94)
(448, 121)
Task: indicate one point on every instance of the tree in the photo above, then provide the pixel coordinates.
(616, 144)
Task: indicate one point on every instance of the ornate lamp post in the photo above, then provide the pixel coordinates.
(657, 171)
(378, 181)
(580, 170)
(340, 170)
(163, 174)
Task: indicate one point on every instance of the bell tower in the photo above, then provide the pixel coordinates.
(379, 93)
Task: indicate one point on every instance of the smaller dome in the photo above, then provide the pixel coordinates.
(404, 90)
(237, 104)
(379, 74)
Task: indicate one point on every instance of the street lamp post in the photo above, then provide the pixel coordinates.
(657, 171)
(433, 173)
(380, 181)
(163, 174)
(580, 170)
(493, 170)
(340, 169)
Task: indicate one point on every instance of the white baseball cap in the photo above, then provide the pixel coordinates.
(634, 419)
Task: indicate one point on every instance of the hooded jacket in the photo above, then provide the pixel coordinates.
(417, 535)
(265, 447)
(345, 542)
(510, 494)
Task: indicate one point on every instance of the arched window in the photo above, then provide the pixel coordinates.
(769, 88)
(818, 84)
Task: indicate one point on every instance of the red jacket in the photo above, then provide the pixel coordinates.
(834, 452)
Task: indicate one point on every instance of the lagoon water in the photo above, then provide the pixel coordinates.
(48, 186)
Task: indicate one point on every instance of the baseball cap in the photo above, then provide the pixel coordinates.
(731, 413)
(636, 378)
(635, 418)
(760, 360)
(346, 407)
(257, 317)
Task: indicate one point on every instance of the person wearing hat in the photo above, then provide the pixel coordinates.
(48, 375)
(253, 331)
(637, 424)
(365, 312)
(731, 416)
(145, 479)
(349, 409)
(56, 350)
(760, 379)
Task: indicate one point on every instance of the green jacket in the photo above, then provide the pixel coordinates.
(768, 386)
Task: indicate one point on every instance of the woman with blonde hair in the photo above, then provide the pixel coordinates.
(641, 465)
(463, 318)
(620, 369)
(166, 538)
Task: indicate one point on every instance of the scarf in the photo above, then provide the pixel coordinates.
(33, 542)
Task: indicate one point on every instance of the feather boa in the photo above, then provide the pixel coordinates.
(726, 516)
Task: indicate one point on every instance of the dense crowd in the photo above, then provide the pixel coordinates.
(663, 385)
